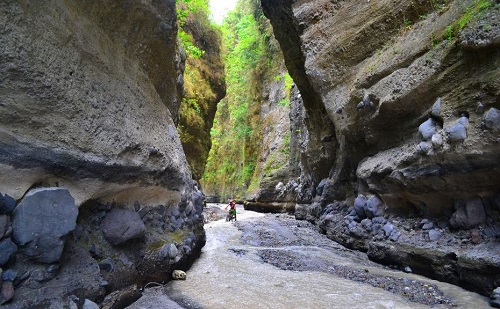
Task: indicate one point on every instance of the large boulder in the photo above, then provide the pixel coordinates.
(41, 221)
(121, 225)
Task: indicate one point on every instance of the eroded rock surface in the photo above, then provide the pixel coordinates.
(90, 93)
(395, 107)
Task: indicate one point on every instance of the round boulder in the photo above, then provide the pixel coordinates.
(122, 225)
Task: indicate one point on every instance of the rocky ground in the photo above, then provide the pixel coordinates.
(263, 232)
(300, 249)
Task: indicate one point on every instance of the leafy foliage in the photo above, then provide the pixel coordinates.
(250, 58)
(203, 81)
(186, 10)
(473, 11)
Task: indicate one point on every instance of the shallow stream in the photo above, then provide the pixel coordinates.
(231, 274)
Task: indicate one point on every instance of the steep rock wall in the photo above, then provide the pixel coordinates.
(204, 89)
(89, 96)
(409, 91)
(383, 54)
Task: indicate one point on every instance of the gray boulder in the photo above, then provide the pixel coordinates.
(122, 225)
(436, 108)
(479, 108)
(456, 133)
(41, 221)
(373, 207)
(425, 147)
(434, 234)
(359, 206)
(437, 140)
(7, 248)
(469, 215)
(88, 304)
(313, 211)
(492, 119)
(169, 251)
(388, 229)
(427, 129)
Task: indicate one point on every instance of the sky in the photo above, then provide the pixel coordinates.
(219, 9)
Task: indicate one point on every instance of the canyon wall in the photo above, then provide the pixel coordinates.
(398, 121)
(93, 177)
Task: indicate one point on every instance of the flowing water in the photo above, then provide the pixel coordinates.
(230, 274)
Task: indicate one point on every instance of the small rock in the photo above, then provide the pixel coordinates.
(425, 147)
(359, 206)
(379, 220)
(394, 236)
(492, 119)
(427, 129)
(479, 108)
(437, 140)
(388, 229)
(434, 234)
(366, 224)
(88, 304)
(408, 269)
(463, 121)
(456, 133)
(169, 251)
(436, 108)
(428, 226)
(373, 207)
(178, 275)
(339, 110)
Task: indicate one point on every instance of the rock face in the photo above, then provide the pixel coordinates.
(395, 107)
(90, 93)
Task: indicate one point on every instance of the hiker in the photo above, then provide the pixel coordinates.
(232, 210)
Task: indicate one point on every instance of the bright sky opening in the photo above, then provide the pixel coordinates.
(220, 8)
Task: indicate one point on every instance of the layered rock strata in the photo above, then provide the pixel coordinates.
(400, 108)
(89, 99)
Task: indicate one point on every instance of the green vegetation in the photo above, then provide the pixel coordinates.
(187, 9)
(251, 56)
(203, 80)
(472, 12)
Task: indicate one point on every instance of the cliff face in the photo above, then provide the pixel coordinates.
(204, 88)
(400, 111)
(89, 101)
